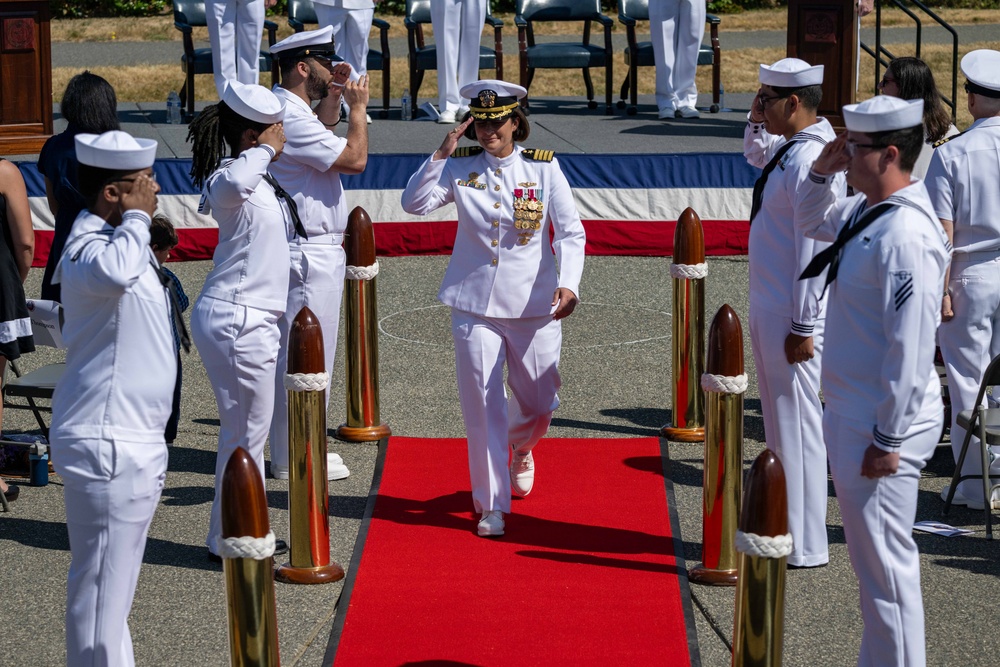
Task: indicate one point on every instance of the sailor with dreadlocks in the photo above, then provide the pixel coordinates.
(235, 320)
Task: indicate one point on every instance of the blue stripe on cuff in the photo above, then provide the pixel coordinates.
(888, 442)
(802, 329)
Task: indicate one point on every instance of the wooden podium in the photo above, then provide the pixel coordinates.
(825, 32)
(25, 76)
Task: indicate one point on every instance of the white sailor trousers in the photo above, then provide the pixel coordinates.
(968, 342)
(878, 517)
(316, 280)
(111, 489)
(239, 348)
(234, 30)
(676, 28)
(458, 28)
(793, 427)
(350, 33)
(495, 425)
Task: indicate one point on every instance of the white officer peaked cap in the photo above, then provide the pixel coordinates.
(307, 43)
(254, 102)
(115, 150)
(982, 68)
(492, 99)
(791, 73)
(884, 114)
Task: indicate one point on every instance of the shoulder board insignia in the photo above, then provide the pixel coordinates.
(941, 142)
(467, 151)
(538, 154)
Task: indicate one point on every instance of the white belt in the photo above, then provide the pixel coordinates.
(319, 239)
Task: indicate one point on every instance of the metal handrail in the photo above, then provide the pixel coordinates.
(880, 50)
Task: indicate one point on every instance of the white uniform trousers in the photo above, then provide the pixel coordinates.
(676, 28)
(350, 34)
(458, 27)
(968, 342)
(793, 427)
(317, 281)
(239, 347)
(111, 489)
(878, 517)
(234, 31)
(530, 348)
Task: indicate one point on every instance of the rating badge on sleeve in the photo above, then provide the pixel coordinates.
(528, 213)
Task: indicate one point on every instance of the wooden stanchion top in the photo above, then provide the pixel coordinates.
(244, 501)
(689, 239)
(765, 497)
(725, 344)
(305, 344)
(359, 241)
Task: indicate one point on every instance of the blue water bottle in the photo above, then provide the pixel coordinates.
(39, 464)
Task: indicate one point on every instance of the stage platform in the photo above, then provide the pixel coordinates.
(632, 176)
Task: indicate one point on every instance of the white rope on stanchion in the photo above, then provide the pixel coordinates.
(257, 548)
(689, 271)
(362, 272)
(762, 545)
(722, 384)
(307, 381)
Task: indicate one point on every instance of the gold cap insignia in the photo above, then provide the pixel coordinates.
(487, 98)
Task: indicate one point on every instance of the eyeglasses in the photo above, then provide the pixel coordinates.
(152, 177)
(764, 100)
(491, 124)
(885, 81)
(853, 146)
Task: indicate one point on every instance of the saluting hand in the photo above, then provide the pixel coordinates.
(834, 157)
(878, 463)
(273, 136)
(450, 143)
(565, 302)
(142, 196)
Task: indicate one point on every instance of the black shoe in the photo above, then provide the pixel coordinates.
(12, 492)
(806, 567)
(280, 547)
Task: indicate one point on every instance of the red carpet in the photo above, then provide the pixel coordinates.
(585, 574)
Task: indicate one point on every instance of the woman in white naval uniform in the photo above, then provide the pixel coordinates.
(506, 296)
(783, 137)
(235, 320)
(458, 29)
(883, 399)
(110, 408)
(234, 31)
(351, 21)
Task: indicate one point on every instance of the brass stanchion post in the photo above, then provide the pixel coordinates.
(724, 384)
(764, 543)
(247, 549)
(308, 501)
(688, 270)
(361, 324)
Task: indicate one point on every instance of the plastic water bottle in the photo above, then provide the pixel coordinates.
(406, 112)
(173, 108)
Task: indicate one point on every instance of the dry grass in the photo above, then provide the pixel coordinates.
(739, 75)
(161, 28)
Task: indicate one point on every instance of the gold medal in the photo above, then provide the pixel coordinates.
(537, 225)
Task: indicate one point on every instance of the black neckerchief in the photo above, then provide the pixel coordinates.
(758, 186)
(175, 306)
(293, 209)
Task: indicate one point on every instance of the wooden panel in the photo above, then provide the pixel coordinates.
(25, 76)
(826, 33)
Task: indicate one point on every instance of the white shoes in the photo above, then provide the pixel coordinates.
(446, 118)
(667, 112)
(976, 503)
(491, 524)
(522, 474)
(687, 112)
(335, 468)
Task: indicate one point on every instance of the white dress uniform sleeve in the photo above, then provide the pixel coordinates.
(911, 301)
(807, 294)
(427, 190)
(940, 186)
(233, 184)
(570, 239)
(759, 145)
(313, 144)
(110, 269)
(819, 212)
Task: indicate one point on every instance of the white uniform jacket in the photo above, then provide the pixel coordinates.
(884, 310)
(121, 362)
(964, 185)
(498, 269)
(251, 259)
(778, 253)
(304, 169)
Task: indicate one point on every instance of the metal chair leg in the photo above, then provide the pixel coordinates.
(984, 453)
